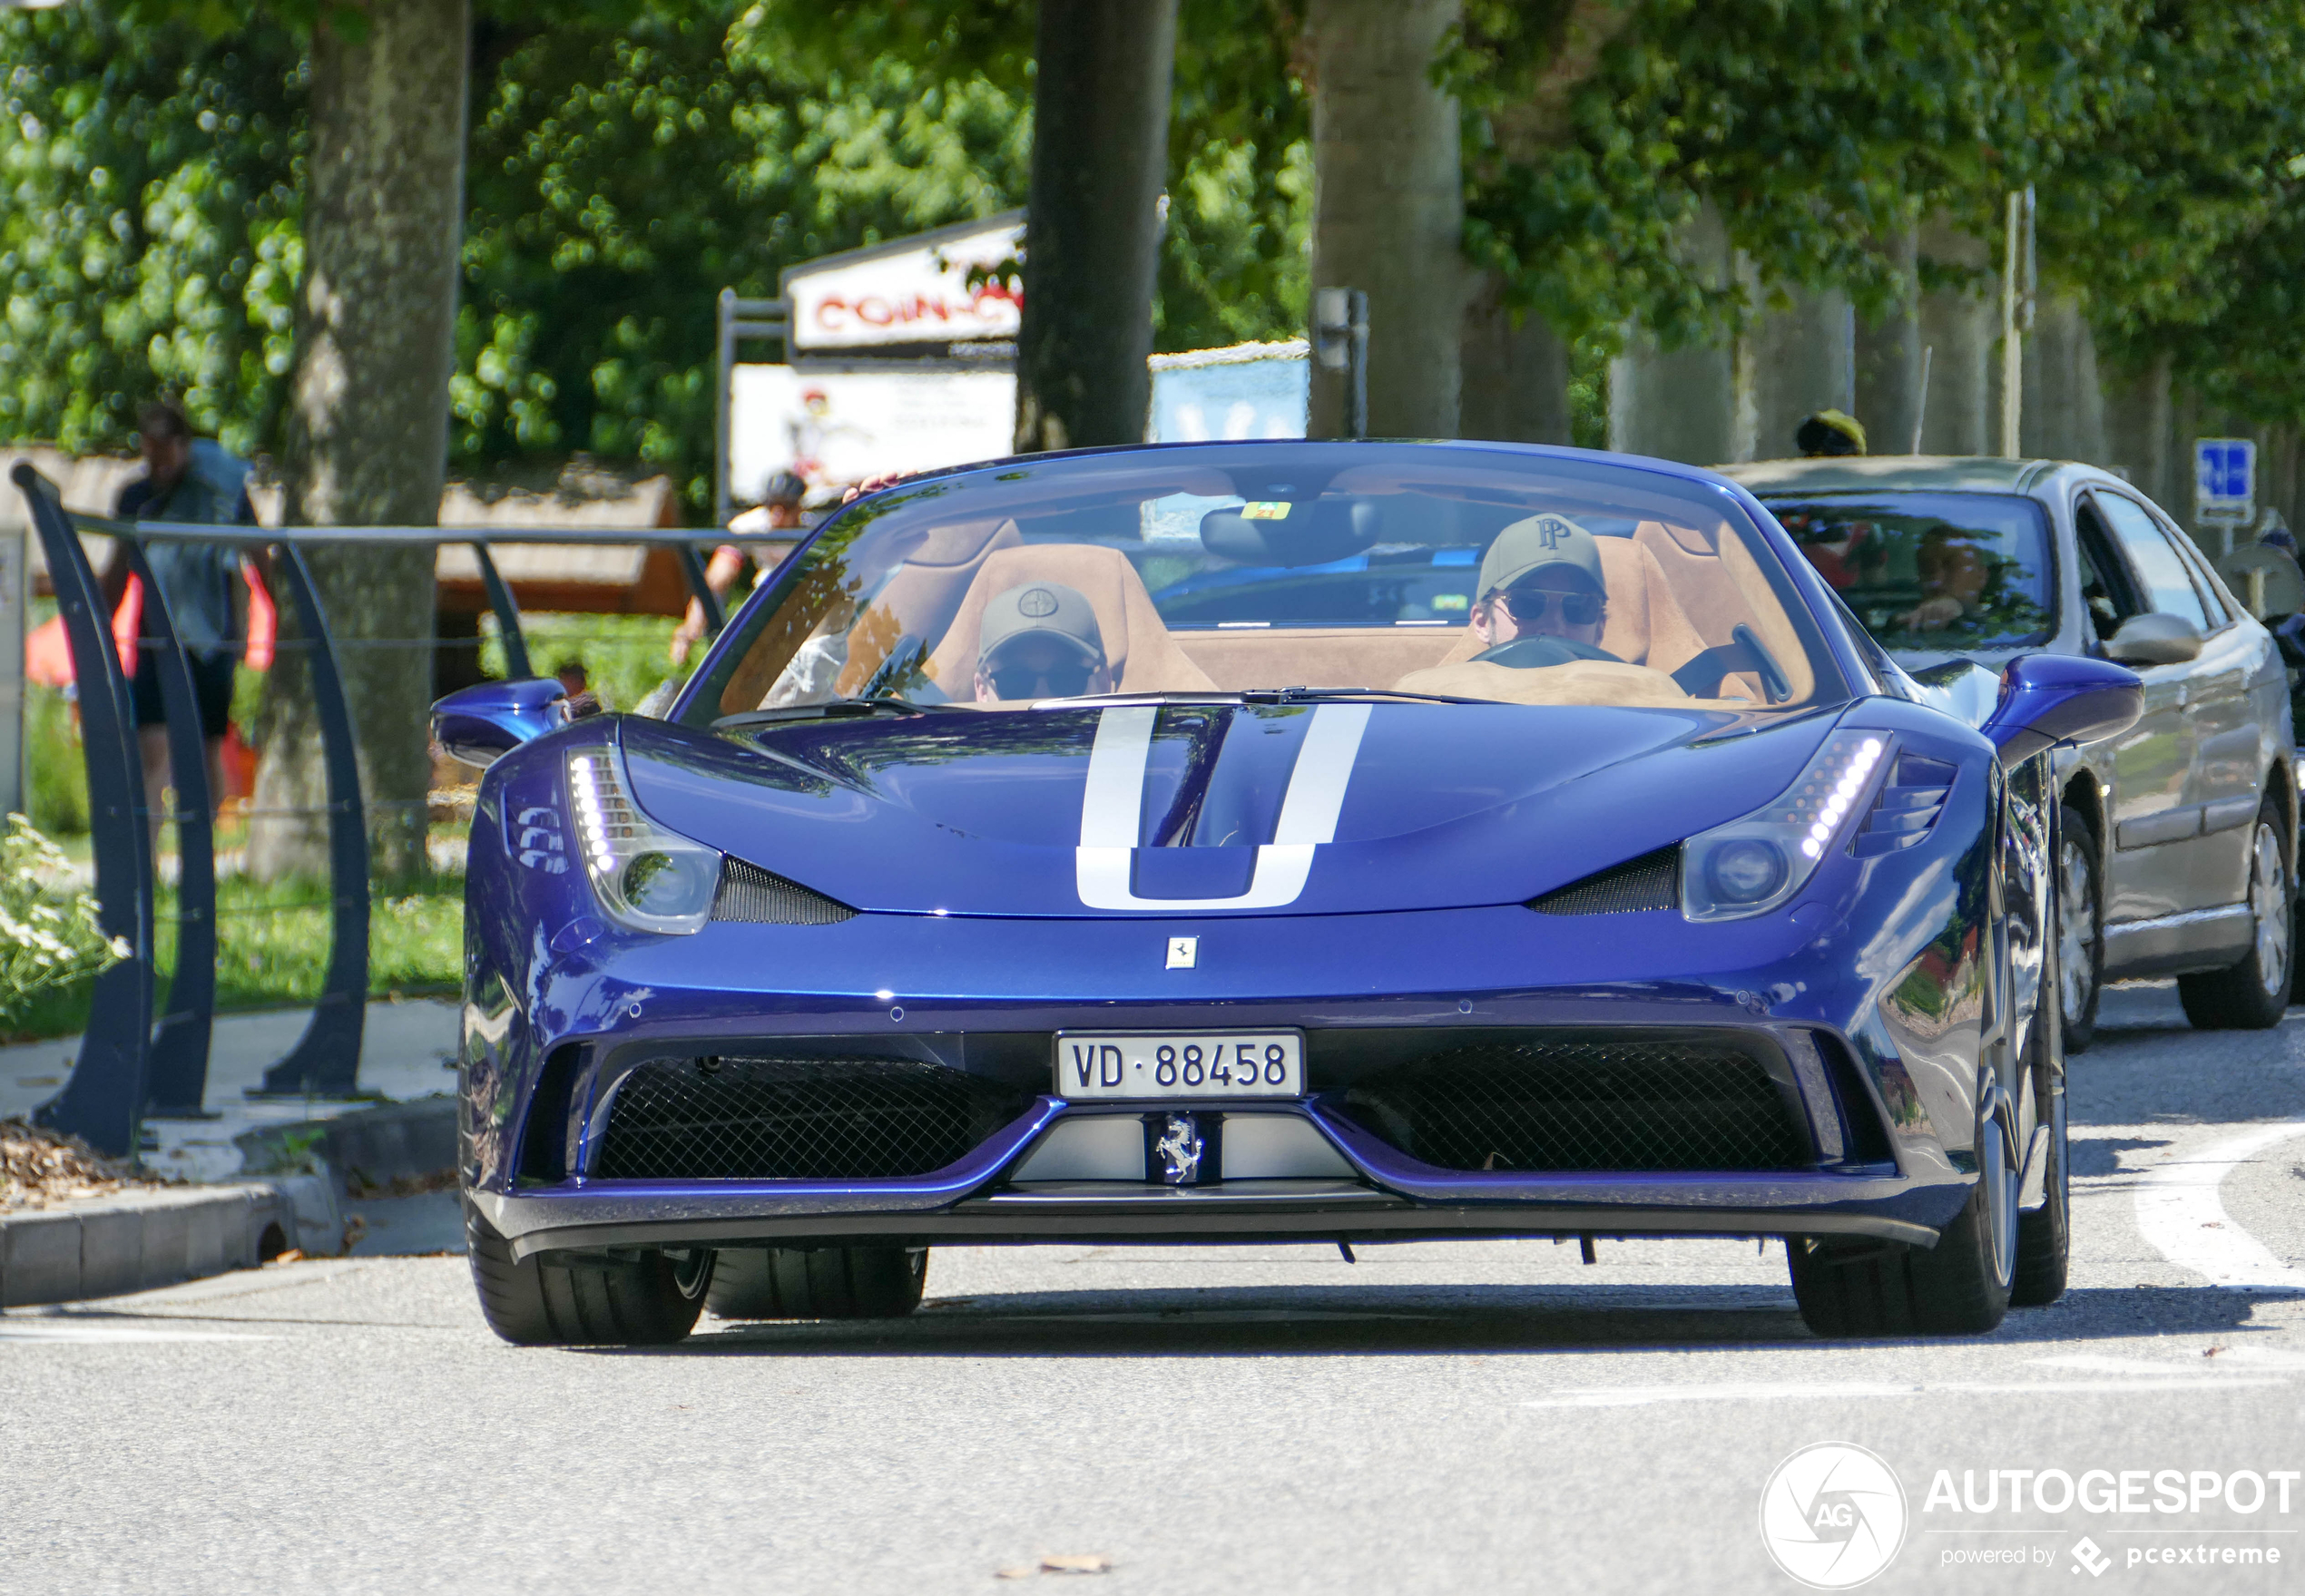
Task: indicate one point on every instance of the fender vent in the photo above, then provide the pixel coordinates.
(1907, 807)
(751, 892)
(1653, 881)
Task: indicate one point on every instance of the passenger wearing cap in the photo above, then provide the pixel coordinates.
(1040, 640)
(1542, 579)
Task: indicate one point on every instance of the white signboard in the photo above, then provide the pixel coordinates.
(2226, 478)
(915, 291)
(835, 428)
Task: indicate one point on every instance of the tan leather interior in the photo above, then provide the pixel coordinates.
(1143, 656)
(1581, 682)
(1645, 624)
(924, 595)
(1721, 589)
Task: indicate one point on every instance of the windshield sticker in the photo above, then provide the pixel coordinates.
(1265, 510)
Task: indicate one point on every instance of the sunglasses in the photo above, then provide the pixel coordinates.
(1065, 678)
(1527, 605)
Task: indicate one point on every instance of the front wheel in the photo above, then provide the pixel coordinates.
(1961, 1286)
(648, 1303)
(2254, 993)
(2080, 946)
(818, 1283)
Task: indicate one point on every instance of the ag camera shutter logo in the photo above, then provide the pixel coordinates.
(1833, 1515)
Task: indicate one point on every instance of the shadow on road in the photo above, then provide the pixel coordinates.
(1380, 1320)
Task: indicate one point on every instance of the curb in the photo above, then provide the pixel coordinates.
(141, 1240)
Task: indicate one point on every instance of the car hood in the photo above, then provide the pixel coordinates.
(1188, 810)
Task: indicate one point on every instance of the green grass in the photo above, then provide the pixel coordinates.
(272, 948)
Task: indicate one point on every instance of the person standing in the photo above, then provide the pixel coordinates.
(186, 479)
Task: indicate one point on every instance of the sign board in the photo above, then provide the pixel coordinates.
(839, 427)
(1248, 391)
(914, 293)
(2226, 478)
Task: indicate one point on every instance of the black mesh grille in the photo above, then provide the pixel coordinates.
(751, 892)
(1653, 881)
(1584, 1105)
(750, 1119)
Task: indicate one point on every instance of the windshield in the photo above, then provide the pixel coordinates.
(1932, 573)
(1215, 569)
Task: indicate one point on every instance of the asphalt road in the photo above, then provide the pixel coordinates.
(1464, 1417)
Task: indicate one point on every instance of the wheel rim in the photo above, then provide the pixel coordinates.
(2269, 901)
(2076, 930)
(692, 1271)
(1998, 1172)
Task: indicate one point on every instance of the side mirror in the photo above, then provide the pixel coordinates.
(2155, 639)
(480, 725)
(2049, 699)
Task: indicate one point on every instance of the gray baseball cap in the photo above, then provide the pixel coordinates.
(1544, 541)
(1048, 609)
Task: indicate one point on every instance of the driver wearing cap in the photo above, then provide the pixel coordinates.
(1040, 640)
(1541, 578)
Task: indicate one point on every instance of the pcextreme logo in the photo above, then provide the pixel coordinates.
(1833, 1515)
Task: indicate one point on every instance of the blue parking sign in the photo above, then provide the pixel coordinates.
(2226, 474)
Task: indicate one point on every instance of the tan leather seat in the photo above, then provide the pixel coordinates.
(921, 600)
(1645, 624)
(1143, 656)
(1724, 589)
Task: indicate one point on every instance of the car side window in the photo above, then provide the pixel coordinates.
(2107, 589)
(2213, 594)
(2169, 587)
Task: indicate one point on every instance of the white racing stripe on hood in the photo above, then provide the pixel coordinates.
(1113, 801)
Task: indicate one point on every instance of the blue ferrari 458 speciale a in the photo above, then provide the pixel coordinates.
(982, 885)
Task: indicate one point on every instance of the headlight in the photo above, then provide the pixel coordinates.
(650, 879)
(1755, 864)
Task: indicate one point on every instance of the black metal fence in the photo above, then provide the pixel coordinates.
(131, 1063)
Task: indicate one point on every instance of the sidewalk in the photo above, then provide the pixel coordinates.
(408, 1051)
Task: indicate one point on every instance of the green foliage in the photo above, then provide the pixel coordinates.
(49, 937)
(55, 773)
(147, 233)
(624, 656)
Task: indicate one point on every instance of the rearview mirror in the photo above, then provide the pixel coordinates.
(2155, 639)
(2049, 699)
(480, 725)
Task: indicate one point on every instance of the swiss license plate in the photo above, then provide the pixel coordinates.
(1201, 1064)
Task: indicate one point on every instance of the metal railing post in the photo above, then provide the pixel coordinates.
(500, 600)
(177, 1073)
(103, 1098)
(700, 587)
(327, 1058)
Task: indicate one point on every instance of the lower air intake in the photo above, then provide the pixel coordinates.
(1563, 1106)
(758, 1119)
(1653, 881)
(751, 892)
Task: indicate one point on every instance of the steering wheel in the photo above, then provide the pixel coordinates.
(1531, 653)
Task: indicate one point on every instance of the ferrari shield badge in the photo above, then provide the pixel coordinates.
(1179, 1151)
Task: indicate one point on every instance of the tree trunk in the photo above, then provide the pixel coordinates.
(1093, 243)
(2063, 413)
(1388, 207)
(1516, 379)
(2139, 428)
(1682, 404)
(1792, 361)
(1888, 361)
(1960, 332)
(368, 416)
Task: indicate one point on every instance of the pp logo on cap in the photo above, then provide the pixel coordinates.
(1038, 602)
(1553, 531)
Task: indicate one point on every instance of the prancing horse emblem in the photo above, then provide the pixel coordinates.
(1180, 1151)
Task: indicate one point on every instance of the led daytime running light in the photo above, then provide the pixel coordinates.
(1801, 824)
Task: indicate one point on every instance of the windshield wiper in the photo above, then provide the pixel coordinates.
(1315, 695)
(828, 710)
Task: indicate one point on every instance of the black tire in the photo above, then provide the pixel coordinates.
(2254, 994)
(2080, 898)
(651, 1303)
(818, 1283)
(2045, 1235)
(1847, 1288)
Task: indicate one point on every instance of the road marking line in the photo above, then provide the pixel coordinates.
(1649, 1396)
(2182, 1216)
(66, 1329)
(2093, 1363)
